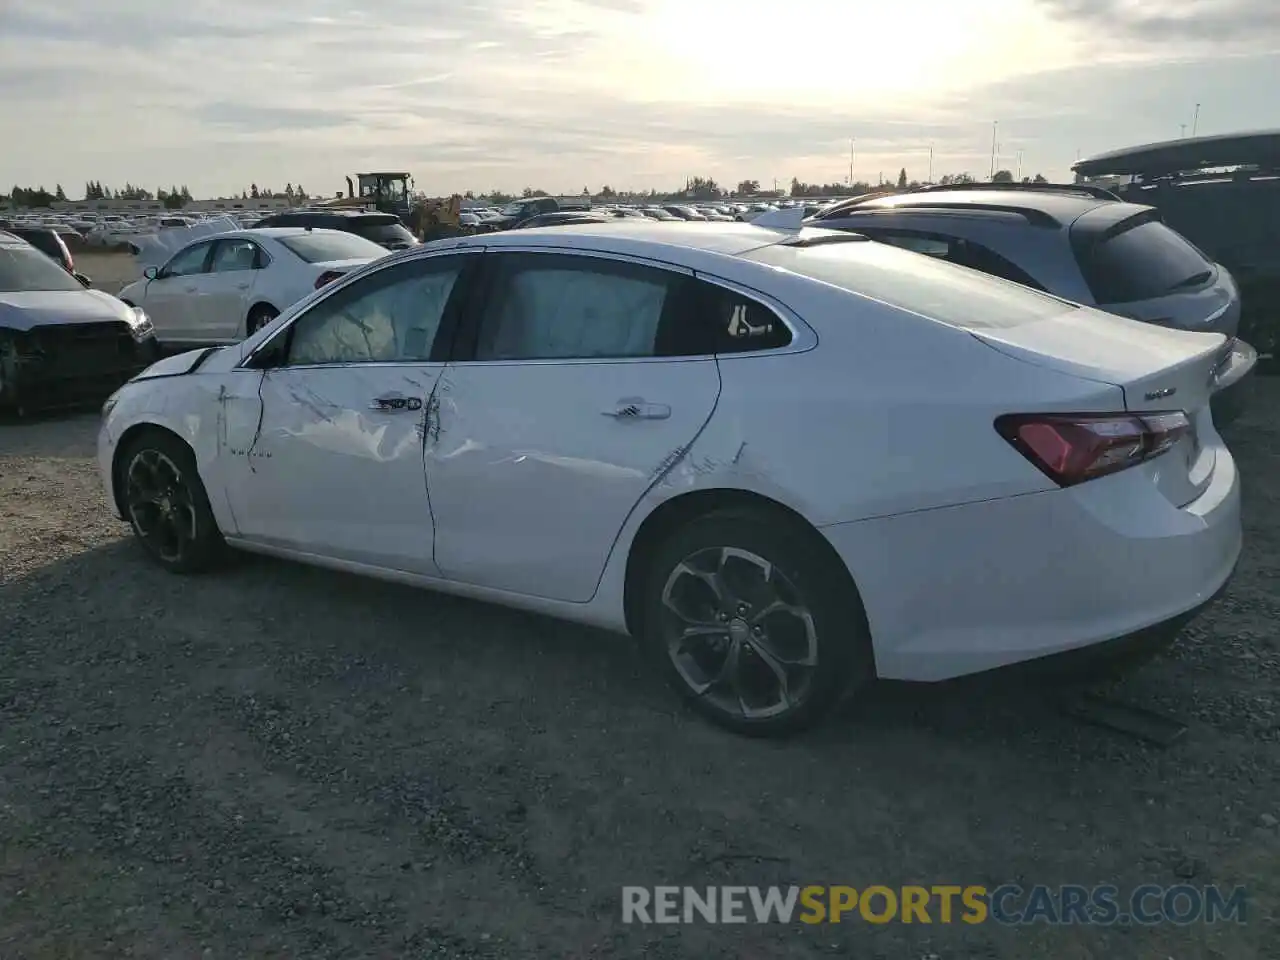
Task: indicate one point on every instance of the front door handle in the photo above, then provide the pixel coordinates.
(395, 404)
(637, 408)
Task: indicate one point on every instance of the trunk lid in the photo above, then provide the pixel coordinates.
(1157, 368)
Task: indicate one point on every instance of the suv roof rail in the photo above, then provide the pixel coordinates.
(1037, 218)
(1087, 189)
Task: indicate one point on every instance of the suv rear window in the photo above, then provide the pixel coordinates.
(24, 269)
(932, 288)
(1145, 260)
(382, 229)
(323, 247)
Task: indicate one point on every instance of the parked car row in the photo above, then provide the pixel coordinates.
(788, 460)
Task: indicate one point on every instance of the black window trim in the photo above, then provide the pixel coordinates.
(877, 233)
(267, 355)
(803, 338)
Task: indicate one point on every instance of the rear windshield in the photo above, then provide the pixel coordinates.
(1145, 261)
(382, 230)
(911, 281)
(323, 247)
(45, 241)
(24, 268)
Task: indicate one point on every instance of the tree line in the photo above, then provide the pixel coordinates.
(696, 188)
(174, 197)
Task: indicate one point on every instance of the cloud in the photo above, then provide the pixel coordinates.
(1251, 22)
(635, 93)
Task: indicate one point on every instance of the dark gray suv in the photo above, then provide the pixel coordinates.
(1079, 243)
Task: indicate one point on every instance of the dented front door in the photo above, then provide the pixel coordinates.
(335, 468)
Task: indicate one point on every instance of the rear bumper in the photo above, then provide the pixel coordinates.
(967, 589)
(1234, 383)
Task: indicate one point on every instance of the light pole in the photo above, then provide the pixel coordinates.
(1184, 130)
(853, 145)
(1018, 177)
(930, 180)
(1195, 120)
(995, 125)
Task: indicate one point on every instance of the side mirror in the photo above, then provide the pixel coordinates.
(84, 281)
(151, 272)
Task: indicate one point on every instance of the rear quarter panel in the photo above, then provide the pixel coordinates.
(889, 413)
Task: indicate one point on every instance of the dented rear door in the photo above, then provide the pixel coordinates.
(557, 418)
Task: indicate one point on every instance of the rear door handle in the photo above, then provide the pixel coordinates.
(395, 404)
(637, 408)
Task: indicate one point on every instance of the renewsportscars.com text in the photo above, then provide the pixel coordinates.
(1009, 904)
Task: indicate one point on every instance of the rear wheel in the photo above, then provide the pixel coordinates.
(167, 505)
(752, 625)
(259, 317)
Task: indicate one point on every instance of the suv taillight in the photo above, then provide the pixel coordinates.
(1070, 448)
(327, 277)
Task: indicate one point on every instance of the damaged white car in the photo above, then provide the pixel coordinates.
(787, 460)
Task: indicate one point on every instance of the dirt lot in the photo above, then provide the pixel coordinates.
(108, 271)
(274, 761)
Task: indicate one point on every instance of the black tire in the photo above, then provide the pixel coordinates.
(834, 636)
(258, 318)
(161, 488)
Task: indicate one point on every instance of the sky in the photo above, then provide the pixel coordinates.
(637, 94)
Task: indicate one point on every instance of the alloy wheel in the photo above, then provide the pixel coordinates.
(160, 504)
(739, 633)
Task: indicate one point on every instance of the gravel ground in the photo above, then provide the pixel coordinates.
(274, 761)
(108, 271)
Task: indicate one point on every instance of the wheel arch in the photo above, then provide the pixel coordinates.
(125, 442)
(672, 513)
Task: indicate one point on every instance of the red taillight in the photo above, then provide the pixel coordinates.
(1070, 448)
(327, 277)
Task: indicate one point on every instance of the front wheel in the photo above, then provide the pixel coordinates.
(753, 625)
(167, 505)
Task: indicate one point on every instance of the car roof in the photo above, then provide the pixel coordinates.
(1063, 207)
(1259, 147)
(277, 232)
(344, 214)
(651, 237)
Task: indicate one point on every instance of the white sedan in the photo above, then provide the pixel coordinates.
(788, 461)
(222, 288)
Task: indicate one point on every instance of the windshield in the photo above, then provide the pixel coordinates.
(25, 269)
(323, 247)
(932, 288)
(514, 209)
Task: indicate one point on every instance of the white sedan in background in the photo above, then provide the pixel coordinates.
(788, 461)
(223, 288)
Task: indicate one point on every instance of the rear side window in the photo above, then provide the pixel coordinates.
(735, 323)
(1142, 262)
(24, 269)
(957, 250)
(381, 230)
(323, 247)
(924, 285)
(556, 307)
